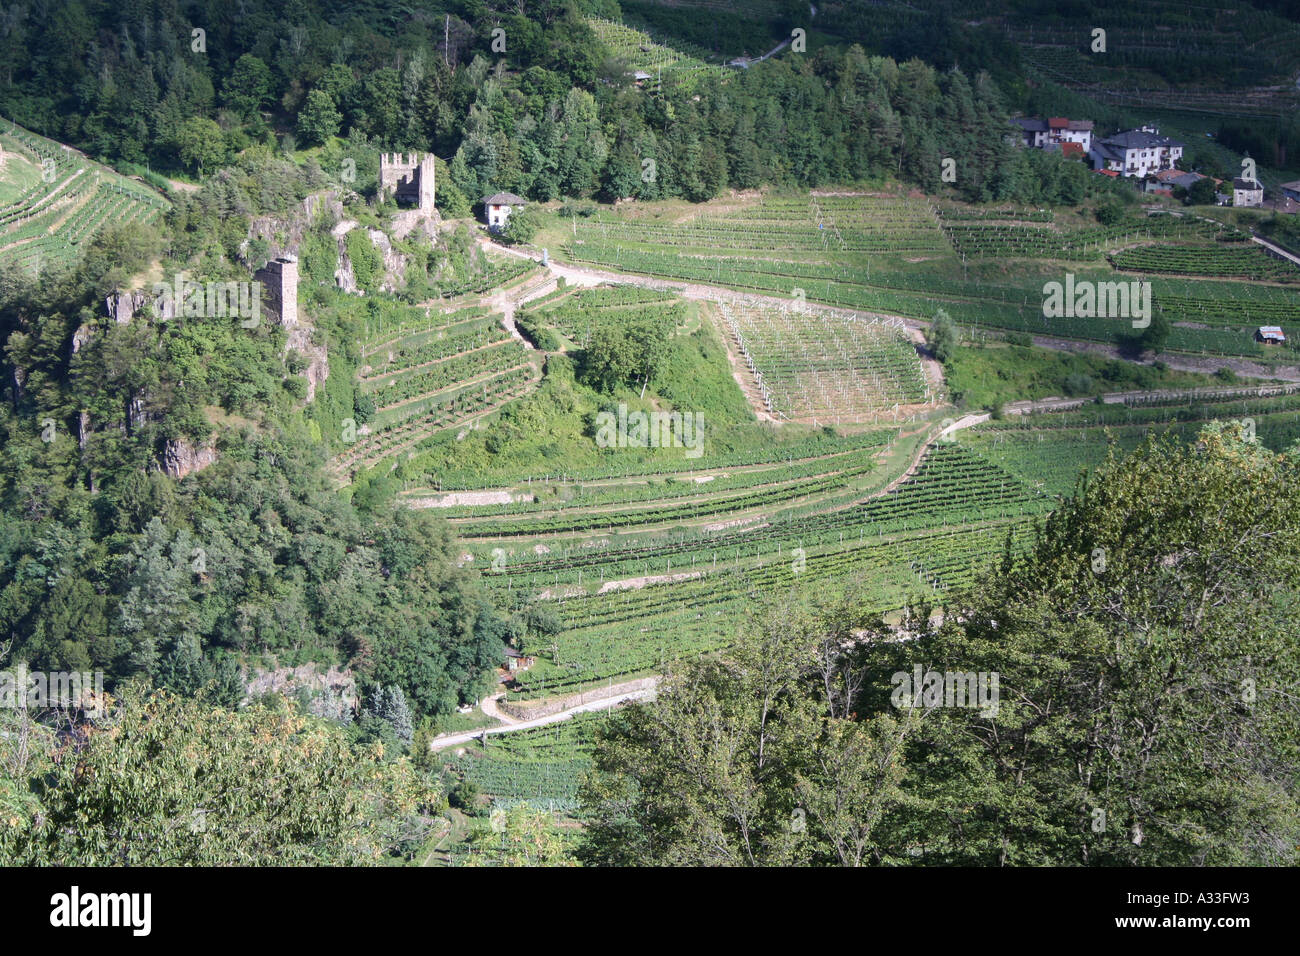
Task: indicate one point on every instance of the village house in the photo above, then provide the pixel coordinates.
(1136, 152)
(1270, 335)
(1247, 192)
(496, 209)
(1071, 137)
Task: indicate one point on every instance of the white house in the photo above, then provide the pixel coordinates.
(1136, 152)
(1055, 132)
(497, 209)
(1247, 192)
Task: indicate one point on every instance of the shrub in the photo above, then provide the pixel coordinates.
(1078, 384)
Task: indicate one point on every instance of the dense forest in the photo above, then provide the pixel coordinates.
(110, 563)
(553, 114)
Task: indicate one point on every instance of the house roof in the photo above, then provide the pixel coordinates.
(511, 652)
(1106, 151)
(1034, 124)
(1139, 139)
(1294, 187)
(1272, 330)
(504, 199)
(1250, 184)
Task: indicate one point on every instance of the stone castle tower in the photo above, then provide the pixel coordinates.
(410, 177)
(279, 279)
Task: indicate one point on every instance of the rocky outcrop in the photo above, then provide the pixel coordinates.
(411, 220)
(394, 261)
(344, 277)
(181, 457)
(81, 337)
(318, 360)
(283, 234)
(332, 695)
(123, 305)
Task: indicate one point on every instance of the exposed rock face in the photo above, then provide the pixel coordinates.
(318, 360)
(394, 262)
(181, 458)
(409, 220)
(81, 337)
(344, 277)
(332, 695)
(284, 236)
(122, 306)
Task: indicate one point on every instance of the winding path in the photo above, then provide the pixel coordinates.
(603, 703)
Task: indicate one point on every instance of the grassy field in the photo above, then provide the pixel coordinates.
(986, 376)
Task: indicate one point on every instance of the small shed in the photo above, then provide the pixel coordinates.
(1270, 335)
(497, 209)
(515, 661)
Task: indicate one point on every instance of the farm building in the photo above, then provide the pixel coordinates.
(496, 208)
(1270, 335)
(1247, 192)
(1291, 190)
(1137, 152)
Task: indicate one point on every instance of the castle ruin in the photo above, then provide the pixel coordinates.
(279, 278)
(410, 177)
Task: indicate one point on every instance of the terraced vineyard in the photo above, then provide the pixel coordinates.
(676, 65)
(576, 313)
(427, 372)
(644, 563)
(1252, 50)
(61, 199)
(981, 239)
(629, 604)
(808, 224)
(1243, 261)
(540, 767)
(823, 366)
(950, 257)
